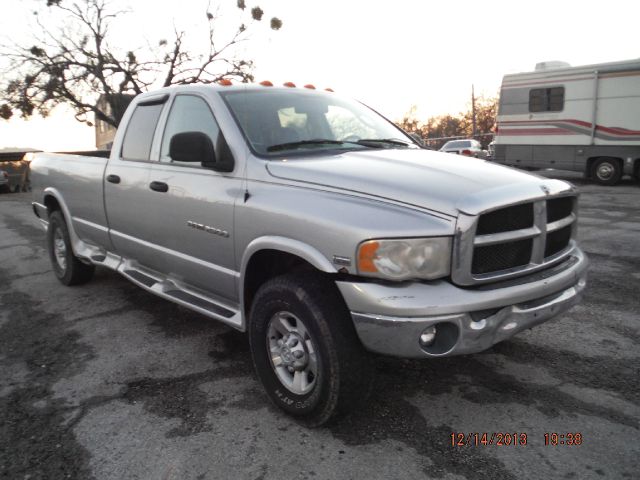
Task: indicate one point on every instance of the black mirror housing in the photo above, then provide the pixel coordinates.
(197, 147)
(192, 147)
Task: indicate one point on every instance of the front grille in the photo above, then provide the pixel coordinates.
(514, 239)
(506, 219)
(557, 241)
(502, 256)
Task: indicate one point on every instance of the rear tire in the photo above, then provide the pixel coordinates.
(606, 171)
(305, 348)
(66, 266)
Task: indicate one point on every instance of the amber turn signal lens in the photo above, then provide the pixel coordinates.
(366, 256)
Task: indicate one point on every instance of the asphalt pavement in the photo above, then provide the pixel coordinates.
(107, 381)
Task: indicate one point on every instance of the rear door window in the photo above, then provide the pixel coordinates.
(140, 130)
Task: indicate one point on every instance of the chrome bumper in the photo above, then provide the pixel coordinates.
(390, 318)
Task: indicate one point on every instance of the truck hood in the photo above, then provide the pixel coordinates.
(440, 182)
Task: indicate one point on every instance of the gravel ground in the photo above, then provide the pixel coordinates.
(107, 381)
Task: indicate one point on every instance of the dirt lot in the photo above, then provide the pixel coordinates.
(107, 381)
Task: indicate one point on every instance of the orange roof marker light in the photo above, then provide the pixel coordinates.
(328, 89)
(289, 84)
(266, 83)
(225, 82)
(308, 85)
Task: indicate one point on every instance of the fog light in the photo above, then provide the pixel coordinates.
(428, 336)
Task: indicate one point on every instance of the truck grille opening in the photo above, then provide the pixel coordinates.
(492, 258)
(557, 241)
(506, 219)
(558, 208)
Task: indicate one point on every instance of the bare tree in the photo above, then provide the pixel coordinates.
(78, 63)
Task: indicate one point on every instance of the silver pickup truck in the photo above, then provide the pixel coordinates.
(318, 227)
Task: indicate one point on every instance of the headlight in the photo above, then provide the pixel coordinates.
(403, 259)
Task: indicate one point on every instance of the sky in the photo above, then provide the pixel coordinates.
(391, 55)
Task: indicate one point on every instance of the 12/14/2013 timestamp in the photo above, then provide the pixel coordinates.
(514, 439)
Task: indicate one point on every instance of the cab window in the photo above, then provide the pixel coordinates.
(140, 129)
(188, 114)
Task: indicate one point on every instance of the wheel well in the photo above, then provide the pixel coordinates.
(52, 204)
(265, 265)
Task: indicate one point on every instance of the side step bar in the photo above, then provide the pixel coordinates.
(169, 290)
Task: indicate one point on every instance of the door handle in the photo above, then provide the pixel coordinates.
(113, 179)
(159, 186)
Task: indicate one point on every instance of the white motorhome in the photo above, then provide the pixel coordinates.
(585, 119)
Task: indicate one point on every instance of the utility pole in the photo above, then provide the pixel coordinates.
(473, 110)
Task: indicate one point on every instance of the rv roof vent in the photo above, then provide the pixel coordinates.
(550, 65)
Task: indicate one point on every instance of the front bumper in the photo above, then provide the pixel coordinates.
(390, 318)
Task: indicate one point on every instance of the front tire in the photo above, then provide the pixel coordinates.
(66, 266)
(305, 348)
(606, 171)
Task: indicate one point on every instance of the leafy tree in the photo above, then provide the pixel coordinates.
(78, 63)
(440, 128)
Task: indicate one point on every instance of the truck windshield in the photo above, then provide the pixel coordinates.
(276, 121)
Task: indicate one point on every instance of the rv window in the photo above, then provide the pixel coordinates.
(556, 99)
(546, 99)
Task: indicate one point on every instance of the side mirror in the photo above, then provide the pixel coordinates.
(197, 147)
(192, 147)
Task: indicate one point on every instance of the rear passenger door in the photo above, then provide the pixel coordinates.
(193, 219)
(126, 185)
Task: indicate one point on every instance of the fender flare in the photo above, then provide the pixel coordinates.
(283, 244)
(76, 243)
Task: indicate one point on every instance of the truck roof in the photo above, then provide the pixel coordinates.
(204, 88)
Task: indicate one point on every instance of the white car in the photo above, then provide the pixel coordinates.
(468, 147)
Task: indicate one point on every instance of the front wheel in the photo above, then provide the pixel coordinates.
(606, 171)
(66, 266)
(305, 349)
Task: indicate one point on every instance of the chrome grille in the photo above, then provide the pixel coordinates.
(513, 240)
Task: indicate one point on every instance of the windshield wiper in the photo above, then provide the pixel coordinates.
(363, 142)
(302, 143)
(384, 141)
